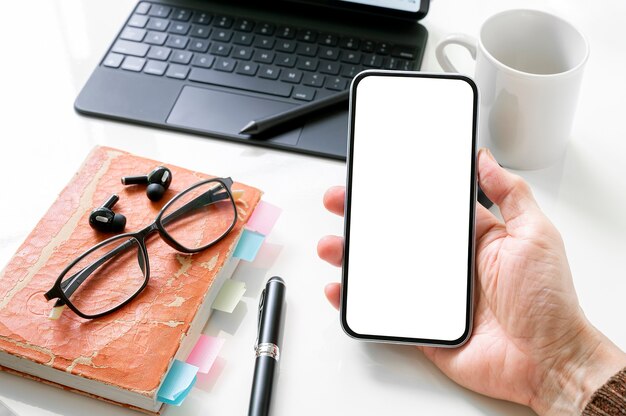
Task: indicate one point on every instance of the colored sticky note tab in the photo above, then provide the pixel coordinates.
(263, 218)
(229, 296)
(205, 352)
(248, 245)
(178, 383)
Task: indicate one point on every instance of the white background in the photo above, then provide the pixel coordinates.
(49, 48)
(408, 257)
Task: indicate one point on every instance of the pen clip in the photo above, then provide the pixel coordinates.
(258, 329)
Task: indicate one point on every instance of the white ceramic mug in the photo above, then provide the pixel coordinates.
(529, 67)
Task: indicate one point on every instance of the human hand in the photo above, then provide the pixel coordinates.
(531, 343)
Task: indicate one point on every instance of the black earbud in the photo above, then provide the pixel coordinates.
(105, 220)
(158, 181)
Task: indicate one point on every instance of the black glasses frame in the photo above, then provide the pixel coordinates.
(62, 290)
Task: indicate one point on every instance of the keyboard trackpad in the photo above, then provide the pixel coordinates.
(225, 113)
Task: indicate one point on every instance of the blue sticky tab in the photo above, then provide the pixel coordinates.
(178, 383)
(249, 244)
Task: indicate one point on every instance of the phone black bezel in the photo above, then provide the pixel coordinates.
(348, 202)
(348, 6)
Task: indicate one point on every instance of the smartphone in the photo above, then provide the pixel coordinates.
(410, 199)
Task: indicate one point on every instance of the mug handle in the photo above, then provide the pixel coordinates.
(467, 42)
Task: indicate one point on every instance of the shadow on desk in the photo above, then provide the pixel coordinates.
(407, 368)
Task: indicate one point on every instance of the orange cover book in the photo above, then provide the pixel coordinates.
(122, 357)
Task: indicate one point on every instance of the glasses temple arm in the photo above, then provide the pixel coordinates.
(207, 198)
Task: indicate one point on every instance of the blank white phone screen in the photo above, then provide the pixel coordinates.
(410, 219)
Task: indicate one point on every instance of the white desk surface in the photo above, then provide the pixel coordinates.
(49, 49)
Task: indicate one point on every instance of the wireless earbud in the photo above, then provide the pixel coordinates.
(105, 220)
(158, 181)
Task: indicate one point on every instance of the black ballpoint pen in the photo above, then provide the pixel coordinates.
(263, 124)
(271, 308)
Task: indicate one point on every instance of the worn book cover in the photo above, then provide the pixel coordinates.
(122, 357)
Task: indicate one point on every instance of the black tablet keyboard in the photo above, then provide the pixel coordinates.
(278, 60)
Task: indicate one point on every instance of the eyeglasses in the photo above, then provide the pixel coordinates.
(109, 275)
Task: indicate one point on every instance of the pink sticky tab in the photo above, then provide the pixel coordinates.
(205, 352)
(263, 218)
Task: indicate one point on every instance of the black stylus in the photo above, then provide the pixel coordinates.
(271, 308)
(263, 124)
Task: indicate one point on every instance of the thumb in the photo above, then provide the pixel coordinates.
(509, 191)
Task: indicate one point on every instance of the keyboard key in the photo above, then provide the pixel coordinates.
(181, 57)
(406, 65)
(328, 40)
(404, 52)
(201, 18)
(160, 11)
(177, 71)
(113, 60)
(286, 46)
(198, 31)
(328, 67)
(303, 93)
(350, 71)
(269, 72)
(307, 49)
(242, 52)
(286, 32)
(291, 75)
(241, 82)
(224, 22)
(155, 67)
(306, 35)
(142, 8)
(199, 45)
(329, 53)
(264, 42)
(265, 29)
(247, 68)
(203, 61)
(160, 53)
(158, 24)
(130, 48)
(313, 80)
(179, 28)
(285, 60)
(351, 57)
(156, 38)
(265, 57)
(182, 15)
(394, 63)
(222, 35)
(383, 48)
(134, 64)
(374, 61)
(349, 43)
(244, 25)
(308, 64)
(336, 83)
(225, 64)
(132, 33)
(138, 20)
(177, 42)
(368, 46)
(244, 39)
(221, 49)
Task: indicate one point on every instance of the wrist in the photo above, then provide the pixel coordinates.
(582, 368)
